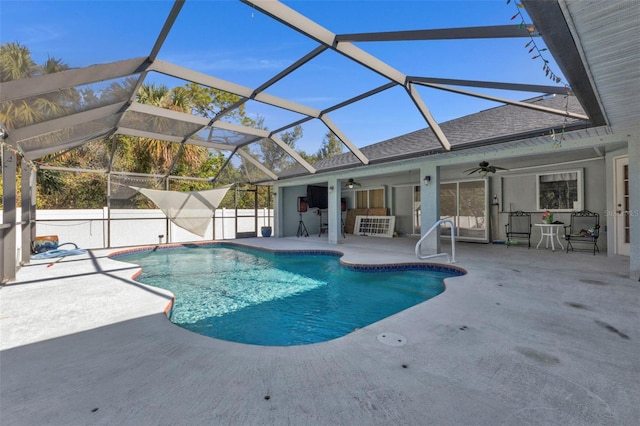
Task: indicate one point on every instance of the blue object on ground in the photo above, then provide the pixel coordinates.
(57, 253)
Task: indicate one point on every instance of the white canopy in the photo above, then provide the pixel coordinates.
(190, 210)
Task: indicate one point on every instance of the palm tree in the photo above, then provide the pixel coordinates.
(16, 63)
(159, 155)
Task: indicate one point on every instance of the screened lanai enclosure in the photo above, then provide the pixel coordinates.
(97, 134)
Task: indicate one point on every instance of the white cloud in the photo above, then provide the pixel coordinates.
(316, 99)
(211, 62)
(35, 34)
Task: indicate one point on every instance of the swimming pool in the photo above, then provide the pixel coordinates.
(281, 298)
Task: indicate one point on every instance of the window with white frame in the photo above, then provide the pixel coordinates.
(560, 191)
(465, 202)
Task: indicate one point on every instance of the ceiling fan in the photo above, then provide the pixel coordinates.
(484, 168)
(351, 183)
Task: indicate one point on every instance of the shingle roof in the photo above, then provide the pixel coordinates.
(496, 125)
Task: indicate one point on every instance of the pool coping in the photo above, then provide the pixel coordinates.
(369, 267)
(455, 271)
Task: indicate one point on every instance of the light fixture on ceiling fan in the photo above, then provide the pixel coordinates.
(351, 183)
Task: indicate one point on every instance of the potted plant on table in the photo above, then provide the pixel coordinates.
(547, 217)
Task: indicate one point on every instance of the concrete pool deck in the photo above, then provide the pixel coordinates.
(526, 337)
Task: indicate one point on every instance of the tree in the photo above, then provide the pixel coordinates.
(16, 63)
(152, 156)
(157, 155)
(209, 102)
(143, 155)
(331, 146)
(275, 158)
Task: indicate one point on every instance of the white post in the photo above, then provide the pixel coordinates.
(634, 205)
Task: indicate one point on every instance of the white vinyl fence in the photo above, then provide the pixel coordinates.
(90, 229)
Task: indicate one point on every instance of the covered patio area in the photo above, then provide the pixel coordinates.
(526, 337)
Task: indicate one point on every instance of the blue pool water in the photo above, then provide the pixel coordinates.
(279, 299)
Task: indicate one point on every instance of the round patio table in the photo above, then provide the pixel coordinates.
(550, 230)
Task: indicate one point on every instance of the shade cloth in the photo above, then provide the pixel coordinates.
(190, 210)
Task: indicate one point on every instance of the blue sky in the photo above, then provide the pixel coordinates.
(231, 41)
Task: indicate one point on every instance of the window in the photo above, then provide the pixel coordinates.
(561, 191)
(465, 202)
(370, 198)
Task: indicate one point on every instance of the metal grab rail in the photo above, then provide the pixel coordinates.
(436, 225)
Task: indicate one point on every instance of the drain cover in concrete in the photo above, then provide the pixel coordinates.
(392, 339)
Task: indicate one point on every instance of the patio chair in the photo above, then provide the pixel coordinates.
(583, 228)
(519, 226)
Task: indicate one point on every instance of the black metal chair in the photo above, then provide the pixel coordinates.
(519, 226)
(583, 228)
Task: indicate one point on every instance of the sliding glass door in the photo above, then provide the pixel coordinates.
(465, 203)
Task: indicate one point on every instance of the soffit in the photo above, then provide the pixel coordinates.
(607, 35)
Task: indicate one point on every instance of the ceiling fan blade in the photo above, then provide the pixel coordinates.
(484, 169)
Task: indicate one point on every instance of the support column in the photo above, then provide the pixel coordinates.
(495, 206)
(32, 205)
(334, 214)
(278, 211)
(9, 234)
(634, 205)
(107, 229)
(430, 206)
(28, 188)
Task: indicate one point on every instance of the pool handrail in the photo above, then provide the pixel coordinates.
(451, 259)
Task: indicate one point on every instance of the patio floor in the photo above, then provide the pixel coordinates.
(526, 337)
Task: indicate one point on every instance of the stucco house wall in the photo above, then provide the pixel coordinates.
(504, 137)
(515, 188)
